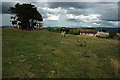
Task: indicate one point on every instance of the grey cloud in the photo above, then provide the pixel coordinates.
(78, 11)
(6, 6)
(108, 12)
(79, 5)
(40, 4)
(0, 7)
(71, 4)
(73, 20)
(106, 9)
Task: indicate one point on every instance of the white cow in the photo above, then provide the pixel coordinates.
(63, 33)
(18, 24)
(37, 26)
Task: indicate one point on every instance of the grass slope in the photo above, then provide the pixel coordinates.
(44, 54)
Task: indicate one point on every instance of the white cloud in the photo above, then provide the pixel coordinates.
(90, 20)
(115, 23)
(96, 24)
(71, 16)
(52, 17)
(82, 17)
(62, 1)
(90, 17)
(54, 10)
(72, 8)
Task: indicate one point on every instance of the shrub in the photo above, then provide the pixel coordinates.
(104, 30)
(112, 33)
(73, 32)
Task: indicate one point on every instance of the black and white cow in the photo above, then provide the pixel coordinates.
(37, 26)
(17, 23)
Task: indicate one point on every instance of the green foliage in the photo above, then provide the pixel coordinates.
(82, 45)
(118, 30)
(58, 30)
(54, 29)
(104, 30)
(25, 13)
(73, 32)
(112, 33)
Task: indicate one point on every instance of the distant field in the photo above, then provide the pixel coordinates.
(44, 54)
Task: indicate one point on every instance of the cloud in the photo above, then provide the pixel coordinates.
(0, 20)
(72, 8)
(108, 11)
(53, 17)
(86, 14)
(54, 10)
(82, 17)
(71, 16)
(6, 6)
(60, 1)
(115, 23)
(71, 4)
(96, 24)
(6, 19)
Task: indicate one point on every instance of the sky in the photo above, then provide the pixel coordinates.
(77, 13)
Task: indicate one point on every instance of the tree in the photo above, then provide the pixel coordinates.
(27, 14)
(112, 33)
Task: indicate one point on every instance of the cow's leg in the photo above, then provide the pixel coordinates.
(63, 34)
(18, 26)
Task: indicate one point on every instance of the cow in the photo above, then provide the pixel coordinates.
(63, 33)
(14, 22)
(18, 24)
(37, 26)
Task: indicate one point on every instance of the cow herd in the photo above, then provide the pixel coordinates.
(35, 26)
(38, 26)
(27, 25)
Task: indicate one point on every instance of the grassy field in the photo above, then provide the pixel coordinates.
(44, 54)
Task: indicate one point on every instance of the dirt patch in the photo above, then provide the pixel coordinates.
(19, 29)
(13, 28)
